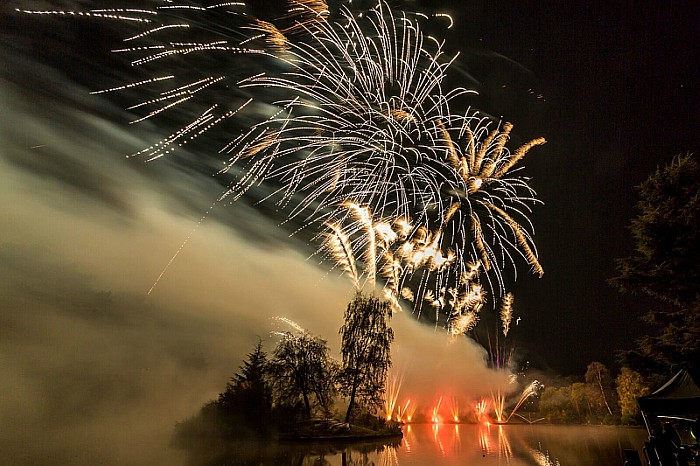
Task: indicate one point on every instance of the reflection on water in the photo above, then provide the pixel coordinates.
(447, 444)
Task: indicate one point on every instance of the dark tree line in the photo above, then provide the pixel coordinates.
(299, 381)
(664, 266)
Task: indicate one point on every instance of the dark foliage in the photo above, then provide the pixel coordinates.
(666, 266)
(365, 347)
(302, 372)
(247, 399)
(243, 410)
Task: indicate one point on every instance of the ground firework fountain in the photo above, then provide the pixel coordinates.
(531, 390)
(454, 410)
(391, 397)
(481, 410)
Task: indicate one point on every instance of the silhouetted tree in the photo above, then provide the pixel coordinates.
(247, 400)
(666, 264)
(365, 347)
(302, 369)
(242, 410)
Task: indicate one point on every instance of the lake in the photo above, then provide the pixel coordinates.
(451, 444)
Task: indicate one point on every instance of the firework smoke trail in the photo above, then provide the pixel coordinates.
(290, 323)
(182, 246)
(362, 117)
(338, 244)
(364, 219)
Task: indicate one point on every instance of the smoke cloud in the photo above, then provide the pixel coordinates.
(434, 365)
(95, 371)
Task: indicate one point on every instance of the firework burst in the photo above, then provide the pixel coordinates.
(409, 260)
(360, 144)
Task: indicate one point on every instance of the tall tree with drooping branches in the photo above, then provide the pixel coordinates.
(365, 348)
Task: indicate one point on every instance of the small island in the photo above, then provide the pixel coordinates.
(291, 395)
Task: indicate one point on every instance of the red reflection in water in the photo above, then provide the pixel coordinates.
(504, 450)
(510, 445)
(485, 438)
(447, 439)
(408, 438)
(437, 439)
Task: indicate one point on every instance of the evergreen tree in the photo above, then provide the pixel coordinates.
(247, 400)
(666, 265)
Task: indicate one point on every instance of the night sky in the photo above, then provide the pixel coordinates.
(620, 84)
(612, 86)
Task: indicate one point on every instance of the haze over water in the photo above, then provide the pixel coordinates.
(452, 444)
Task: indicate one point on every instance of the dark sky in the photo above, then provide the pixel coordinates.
(620, 87)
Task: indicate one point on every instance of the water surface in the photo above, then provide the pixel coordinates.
(464, 444)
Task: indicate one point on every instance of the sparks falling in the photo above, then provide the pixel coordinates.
(506, 313)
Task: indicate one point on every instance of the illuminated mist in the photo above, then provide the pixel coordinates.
(97, 371)
(94, 370)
